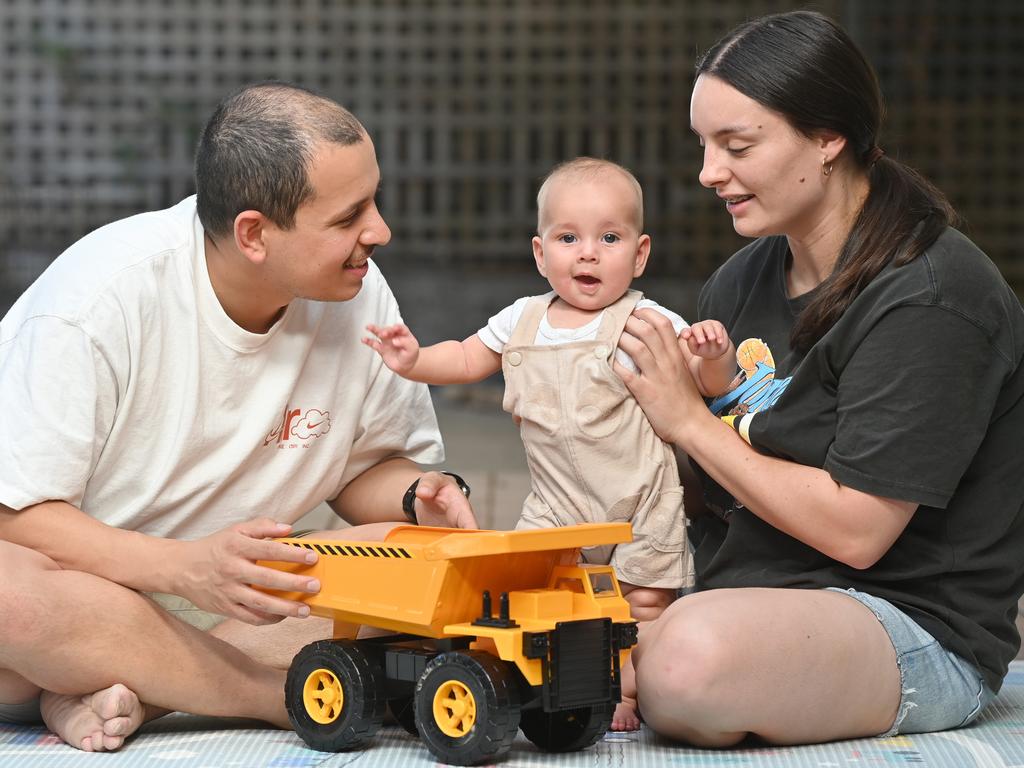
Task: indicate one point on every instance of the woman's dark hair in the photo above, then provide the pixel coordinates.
(803, 66)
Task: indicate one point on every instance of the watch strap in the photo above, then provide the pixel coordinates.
(409, 499)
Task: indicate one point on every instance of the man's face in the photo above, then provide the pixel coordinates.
(324, 255)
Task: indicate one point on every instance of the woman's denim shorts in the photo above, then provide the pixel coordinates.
(939, 690)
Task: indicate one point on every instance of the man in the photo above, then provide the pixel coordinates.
(178, 388)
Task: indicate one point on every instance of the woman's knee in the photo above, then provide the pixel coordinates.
(680, 664)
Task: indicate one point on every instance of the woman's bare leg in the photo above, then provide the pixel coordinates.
(791, 666)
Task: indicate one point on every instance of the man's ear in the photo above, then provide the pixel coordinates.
(250, 235)
(538, 255)
(643, 251)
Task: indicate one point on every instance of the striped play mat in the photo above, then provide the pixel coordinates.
(994, 741)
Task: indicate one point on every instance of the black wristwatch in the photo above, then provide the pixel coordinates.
(409, 500)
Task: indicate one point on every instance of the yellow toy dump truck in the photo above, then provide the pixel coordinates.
(496, 630)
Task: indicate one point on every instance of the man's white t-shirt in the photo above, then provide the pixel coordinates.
(128, 391)
(498, 331)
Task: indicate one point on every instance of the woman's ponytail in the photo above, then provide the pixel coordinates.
(903, 214)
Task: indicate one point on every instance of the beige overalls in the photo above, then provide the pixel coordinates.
(593, 455)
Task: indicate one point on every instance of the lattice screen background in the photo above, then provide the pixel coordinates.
(469, 103)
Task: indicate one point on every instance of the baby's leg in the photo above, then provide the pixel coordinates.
(645, 604)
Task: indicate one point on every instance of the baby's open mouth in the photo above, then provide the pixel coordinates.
(587, 279)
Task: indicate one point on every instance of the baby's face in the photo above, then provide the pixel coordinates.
(589, 248)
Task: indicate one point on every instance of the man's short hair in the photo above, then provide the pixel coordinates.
(256, 151)
(587, 169)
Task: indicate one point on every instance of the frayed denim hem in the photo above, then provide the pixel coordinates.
(938, 689)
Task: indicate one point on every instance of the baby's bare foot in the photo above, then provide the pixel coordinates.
(95, 722)
(625, 717)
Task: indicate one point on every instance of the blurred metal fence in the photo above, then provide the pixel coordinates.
(469, 102)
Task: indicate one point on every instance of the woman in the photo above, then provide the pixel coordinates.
(861, 569)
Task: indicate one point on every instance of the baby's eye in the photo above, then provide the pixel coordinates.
(567, 238)
(610, 238)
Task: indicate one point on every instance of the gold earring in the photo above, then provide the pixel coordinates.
(826, 169)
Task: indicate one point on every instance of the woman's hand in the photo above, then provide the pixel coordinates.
(663, 386)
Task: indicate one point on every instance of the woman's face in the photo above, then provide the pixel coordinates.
(768, 175)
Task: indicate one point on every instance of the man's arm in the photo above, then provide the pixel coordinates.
(376, 495)
(215, 572)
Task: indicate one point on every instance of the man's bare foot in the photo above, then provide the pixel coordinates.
(96, 722)
(625, 717)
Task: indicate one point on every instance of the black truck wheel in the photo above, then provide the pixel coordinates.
(333, 694)
(467, 707)
(569, 730)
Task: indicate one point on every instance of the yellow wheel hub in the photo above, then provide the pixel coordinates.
(454, 709)
(323, 696)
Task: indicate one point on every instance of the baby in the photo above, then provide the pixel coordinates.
(593, 455)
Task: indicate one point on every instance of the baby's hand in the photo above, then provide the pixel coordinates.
(396, 345)
(707, 339)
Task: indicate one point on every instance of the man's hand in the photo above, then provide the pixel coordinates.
(396, 345)
(440, 502)
(219, 572)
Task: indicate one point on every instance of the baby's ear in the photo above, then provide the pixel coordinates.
(538, 255)
(643, 251)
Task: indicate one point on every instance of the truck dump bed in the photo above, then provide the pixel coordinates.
(420, 579)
